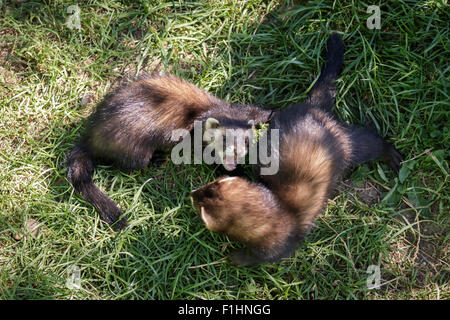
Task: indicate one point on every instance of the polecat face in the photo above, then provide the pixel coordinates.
(230, 144)
(216, 204)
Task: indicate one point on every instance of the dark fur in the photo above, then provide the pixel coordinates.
(272, 216)
(137, 119)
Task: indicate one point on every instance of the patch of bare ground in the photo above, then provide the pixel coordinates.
(10, 64)
(421, 252)
(367, 192)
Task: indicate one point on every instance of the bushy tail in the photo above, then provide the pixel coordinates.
(324, 90)
(80, 169)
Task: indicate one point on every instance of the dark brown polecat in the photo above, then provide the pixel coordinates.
(138, 118)
(272, 216)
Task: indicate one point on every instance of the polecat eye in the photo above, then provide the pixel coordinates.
(208, 193)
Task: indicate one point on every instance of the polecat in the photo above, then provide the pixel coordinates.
(138, 118)
(271, 217)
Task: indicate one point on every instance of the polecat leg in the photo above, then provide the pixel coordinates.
(137, 159)
(243, 258)
(368, 145)
(159, 158)
(247, 257)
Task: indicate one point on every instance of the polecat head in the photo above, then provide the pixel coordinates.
(230, 139)
(245, 211)
(217, 202)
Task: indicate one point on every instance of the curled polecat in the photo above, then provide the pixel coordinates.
(138, 118)
(272, 216)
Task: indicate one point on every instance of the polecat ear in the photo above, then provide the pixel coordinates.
(211, 123)
(212, 131)
(206, 218)
(226, 178)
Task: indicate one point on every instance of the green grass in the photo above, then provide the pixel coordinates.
(260, 52)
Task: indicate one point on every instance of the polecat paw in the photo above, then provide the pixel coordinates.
(241, 258)
(394, 158)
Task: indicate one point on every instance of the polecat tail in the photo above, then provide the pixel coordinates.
(324, 90)
(80, 169)
(335, 57)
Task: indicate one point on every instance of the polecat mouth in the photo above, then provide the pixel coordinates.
(229, 163)
(229, 167)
